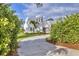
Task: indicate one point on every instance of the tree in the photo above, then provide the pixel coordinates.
(34, 23)
(39, 5)
(9, 27)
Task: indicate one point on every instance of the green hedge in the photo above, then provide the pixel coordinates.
(9, 27)
(66, 30)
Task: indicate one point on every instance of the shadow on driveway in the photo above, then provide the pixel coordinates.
(38, 47)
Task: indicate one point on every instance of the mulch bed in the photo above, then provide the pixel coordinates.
(12, 53)
(73, 46)
(69, 45)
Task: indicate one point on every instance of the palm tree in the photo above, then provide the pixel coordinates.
(34, 23)
(39, 5)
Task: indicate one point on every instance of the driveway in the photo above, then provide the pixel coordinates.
(37, 46)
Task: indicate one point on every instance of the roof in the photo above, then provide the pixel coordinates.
(50, 19)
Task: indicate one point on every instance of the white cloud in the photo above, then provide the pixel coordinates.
(50, 10)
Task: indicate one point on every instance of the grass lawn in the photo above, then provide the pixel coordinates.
(24, 35)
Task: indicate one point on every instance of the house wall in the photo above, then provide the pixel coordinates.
(42, 23)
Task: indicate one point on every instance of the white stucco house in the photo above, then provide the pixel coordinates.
(42, 24)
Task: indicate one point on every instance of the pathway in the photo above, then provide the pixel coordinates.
(37, 46)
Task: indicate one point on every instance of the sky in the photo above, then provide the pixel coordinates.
(53, 10)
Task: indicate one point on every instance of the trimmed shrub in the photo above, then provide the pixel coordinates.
(9, 27)
(66, 30)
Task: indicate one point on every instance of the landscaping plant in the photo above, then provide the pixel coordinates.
(9, 27)
(66, 30)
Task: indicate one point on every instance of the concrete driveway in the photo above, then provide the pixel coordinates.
(37, 46)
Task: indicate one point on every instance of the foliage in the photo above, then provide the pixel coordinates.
(34, 23)
(9, 26)
(66, 30)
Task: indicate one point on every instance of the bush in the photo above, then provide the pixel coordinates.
(9, 26)
(66, 30)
